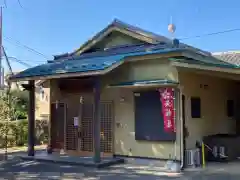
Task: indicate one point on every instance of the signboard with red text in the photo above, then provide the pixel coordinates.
(168, 110)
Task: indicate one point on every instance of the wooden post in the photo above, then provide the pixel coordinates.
(96, 123)
(49, 147)
(31, 118)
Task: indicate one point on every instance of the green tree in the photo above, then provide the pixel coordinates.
(21, 103)
(13, 105)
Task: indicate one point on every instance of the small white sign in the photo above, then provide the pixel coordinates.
(137, 94)
(75, 119)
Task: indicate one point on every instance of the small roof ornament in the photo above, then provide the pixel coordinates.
(171, 28)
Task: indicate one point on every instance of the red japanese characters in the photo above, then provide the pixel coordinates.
(167, 99)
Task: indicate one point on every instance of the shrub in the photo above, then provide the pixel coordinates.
(18, 132)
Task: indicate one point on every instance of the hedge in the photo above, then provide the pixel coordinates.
(18, 132)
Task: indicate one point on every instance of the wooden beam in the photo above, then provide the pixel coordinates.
(31, 118)
(96, 123)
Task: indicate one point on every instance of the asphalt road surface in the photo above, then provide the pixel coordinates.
(18, 169)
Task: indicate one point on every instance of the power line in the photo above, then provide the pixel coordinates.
(29, 61)
(211, 34)
(19, 3)
(9, 65)
(5, 3)
(20, 61)
(17, 43)
(23, 62)
(7, 60)
(25, 46)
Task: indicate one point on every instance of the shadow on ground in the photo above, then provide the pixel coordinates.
(15, 168)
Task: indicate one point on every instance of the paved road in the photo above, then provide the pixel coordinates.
(18, 169)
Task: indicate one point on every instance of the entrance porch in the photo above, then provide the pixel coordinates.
(74, 103)
(80, 123)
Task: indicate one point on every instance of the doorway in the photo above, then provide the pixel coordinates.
(79, 126)
(58, 111)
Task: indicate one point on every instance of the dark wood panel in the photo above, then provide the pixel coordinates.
(75, 85)
(149, 125)
(57, 125)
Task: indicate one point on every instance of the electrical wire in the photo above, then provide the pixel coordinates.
(19, 44)
(5, 3)
(211, 34)
(20, 62)
(29, 61)
(7, 60)
(19, 3)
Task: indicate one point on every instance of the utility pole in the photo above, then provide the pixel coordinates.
(1, 66)
(2, 87)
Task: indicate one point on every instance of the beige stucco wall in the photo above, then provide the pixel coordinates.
(143, 70)
(115, 39)
(125, 143)
(124, 135)
(213, 101)
(42, 105)
(214, 118)
(120, 39)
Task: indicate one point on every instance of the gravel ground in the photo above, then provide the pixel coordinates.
(18, 169)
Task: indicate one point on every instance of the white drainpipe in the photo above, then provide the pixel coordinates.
(181, 127)
(180, 120)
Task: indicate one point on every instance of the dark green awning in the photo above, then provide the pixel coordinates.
(144, 83)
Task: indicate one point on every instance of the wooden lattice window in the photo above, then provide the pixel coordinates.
(71, 131)
(81, 137)
(106, 126)
(87, 127)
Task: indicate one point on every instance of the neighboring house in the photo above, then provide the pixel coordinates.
(41, 98)
(232, 57)
(128, 66)
(42, 102)
(14, 85)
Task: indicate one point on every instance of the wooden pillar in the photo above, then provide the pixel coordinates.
(49, 147)
(31, 118)
(96, 123)
(50, 118)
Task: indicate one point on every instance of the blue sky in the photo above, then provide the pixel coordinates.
(57, 26)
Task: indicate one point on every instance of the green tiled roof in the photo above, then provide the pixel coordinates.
(70, 66)
(79, 64)
(99, 62)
